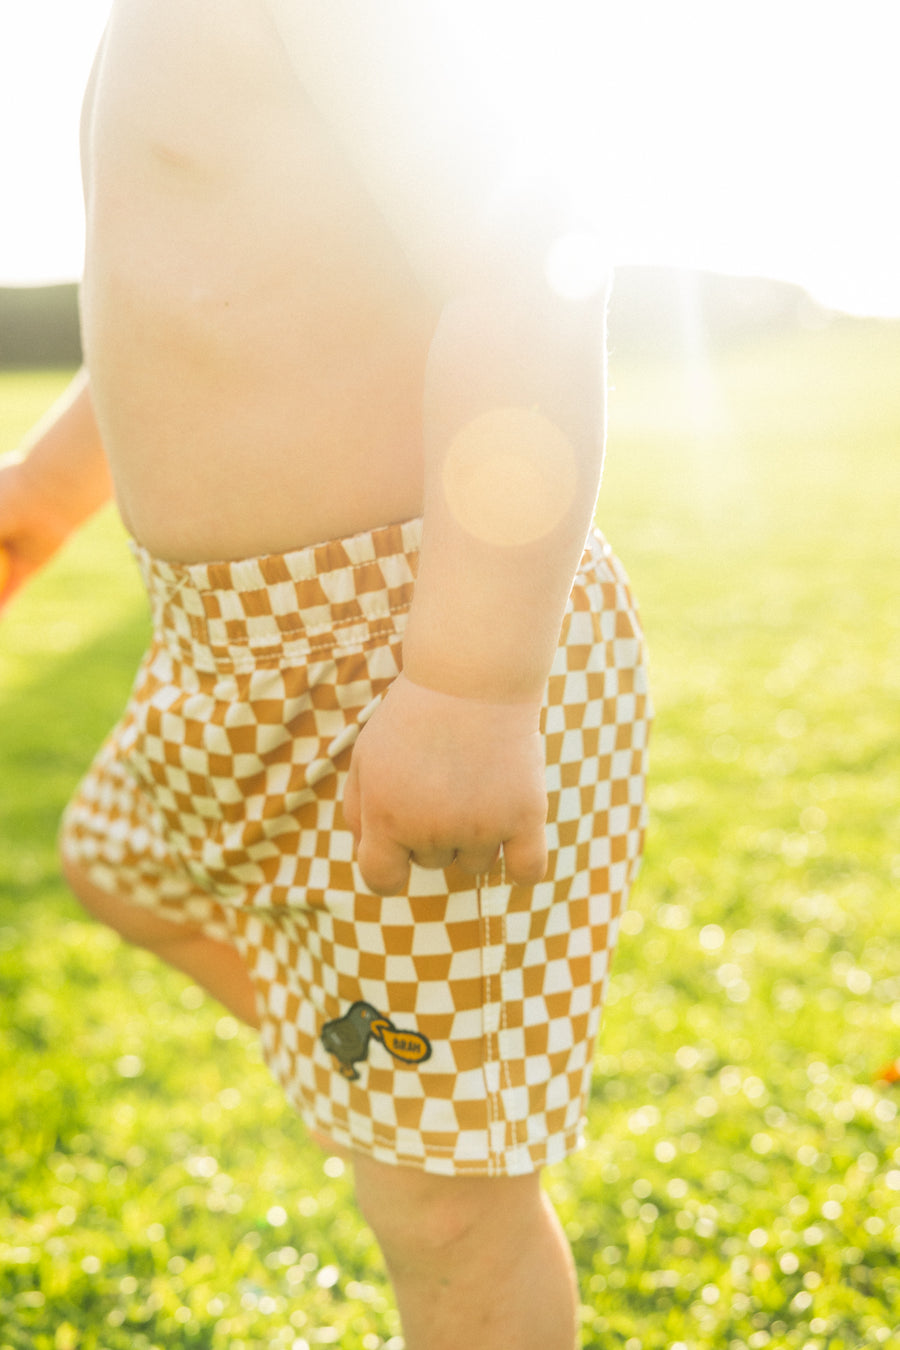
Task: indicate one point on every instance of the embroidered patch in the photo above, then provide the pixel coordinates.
(348, 1037)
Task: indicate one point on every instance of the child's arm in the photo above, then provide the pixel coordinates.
(53, 486)
(451, 764)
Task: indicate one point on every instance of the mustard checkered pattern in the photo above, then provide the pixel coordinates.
(216, 800)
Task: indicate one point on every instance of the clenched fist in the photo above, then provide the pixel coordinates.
(436, 778)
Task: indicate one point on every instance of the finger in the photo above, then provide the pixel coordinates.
(525, 856)
(384, 864)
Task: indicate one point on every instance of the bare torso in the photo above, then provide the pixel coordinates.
(255, 338)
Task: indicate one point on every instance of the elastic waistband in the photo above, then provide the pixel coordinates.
(238, 615)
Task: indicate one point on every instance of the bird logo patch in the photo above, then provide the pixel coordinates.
(348, 1038)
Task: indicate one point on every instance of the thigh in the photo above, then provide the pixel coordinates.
(135, 923)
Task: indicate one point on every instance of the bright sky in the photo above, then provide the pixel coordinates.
(748, 137)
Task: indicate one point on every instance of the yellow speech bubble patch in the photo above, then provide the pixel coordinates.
(407, 1046)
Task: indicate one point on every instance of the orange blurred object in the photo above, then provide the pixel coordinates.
(5, 569)
(889, 1074)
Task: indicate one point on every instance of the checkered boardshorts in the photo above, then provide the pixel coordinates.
(450, 1027)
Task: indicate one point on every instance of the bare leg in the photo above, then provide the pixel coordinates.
(216, 966)
(475, 1262)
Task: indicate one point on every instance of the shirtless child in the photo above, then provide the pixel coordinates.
(391, 825)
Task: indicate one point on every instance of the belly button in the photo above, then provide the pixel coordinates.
(179, 160)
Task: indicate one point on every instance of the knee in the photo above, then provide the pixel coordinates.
(410, 1209)
(422, 1220)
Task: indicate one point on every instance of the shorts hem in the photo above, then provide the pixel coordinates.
(443, 1160)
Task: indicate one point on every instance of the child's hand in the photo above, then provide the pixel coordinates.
(30, 530)
(435, 778)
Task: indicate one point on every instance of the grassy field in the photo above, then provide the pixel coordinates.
(742, 1184)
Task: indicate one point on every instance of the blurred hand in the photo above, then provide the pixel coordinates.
(435, 779)
(31, 529)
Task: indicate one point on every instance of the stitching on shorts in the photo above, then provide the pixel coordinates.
(172, 586)
(504, 1014)
(370, 562)
(337, 624)
(381, 1136)
(504, 1027)
(491, 1038)
(389, 1141)
(239, 655)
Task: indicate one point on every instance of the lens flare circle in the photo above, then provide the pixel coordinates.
(510, 476)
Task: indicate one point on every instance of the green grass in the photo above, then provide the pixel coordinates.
(742, 1184)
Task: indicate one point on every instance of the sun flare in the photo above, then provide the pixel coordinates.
(510, 476)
